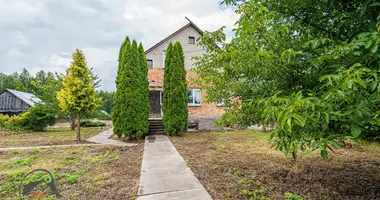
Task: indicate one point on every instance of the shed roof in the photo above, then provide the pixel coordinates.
(28, 98)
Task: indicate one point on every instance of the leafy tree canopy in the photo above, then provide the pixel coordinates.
(310, 65)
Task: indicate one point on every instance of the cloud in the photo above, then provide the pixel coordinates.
(42, 34)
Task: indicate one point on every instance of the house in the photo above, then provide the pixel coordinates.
(199, 111)
(14, 102)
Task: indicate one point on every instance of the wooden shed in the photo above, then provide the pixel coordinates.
(14, 102)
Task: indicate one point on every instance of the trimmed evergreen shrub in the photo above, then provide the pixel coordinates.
(131, 108)
(88, 123)
(175, 91)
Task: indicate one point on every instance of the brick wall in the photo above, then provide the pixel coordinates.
(156, 77)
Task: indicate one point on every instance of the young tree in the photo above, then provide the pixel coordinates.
(175, 112)
(78, 92)
(144, 91)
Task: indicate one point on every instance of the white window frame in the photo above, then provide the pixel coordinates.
(200, 97)
(221, 102)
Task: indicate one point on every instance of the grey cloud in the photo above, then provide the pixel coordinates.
(42, 34)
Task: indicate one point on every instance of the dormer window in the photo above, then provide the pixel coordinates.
(191, 40)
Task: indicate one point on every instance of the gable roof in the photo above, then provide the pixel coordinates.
(28, 98)
(175, 33)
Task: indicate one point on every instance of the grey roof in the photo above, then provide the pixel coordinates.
(28, 98)
(175, 33)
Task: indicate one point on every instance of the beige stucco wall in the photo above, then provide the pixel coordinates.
(190, 50)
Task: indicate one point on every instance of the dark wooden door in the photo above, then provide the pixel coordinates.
(154, 102)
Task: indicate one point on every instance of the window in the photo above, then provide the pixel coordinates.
(161, 97)
(150, 64)
(194, 96)
(191, 40)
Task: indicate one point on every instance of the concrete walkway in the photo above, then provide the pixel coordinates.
(103, 138)
(100, 139)
(164, 174)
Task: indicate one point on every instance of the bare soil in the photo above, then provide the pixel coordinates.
(241, 165)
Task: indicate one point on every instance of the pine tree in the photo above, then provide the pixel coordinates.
(175, 102)
(118, 112)
(78, 93)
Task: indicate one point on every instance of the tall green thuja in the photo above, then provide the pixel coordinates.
(176, 116)
(144, 93)
(134, 126)
(182, 88)
(118, 112)
(167, 75)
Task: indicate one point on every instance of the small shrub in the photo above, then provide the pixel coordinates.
(40, 116)
(88, 123)
(17, 122)
(3, 120)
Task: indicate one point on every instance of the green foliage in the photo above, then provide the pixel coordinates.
(175, 99)
(305, 69)
(131, 108)
(24, 162)
(291, 196)
(3, 120)
(17, 122)
(78, 92)
(40, 116)
(108, 99)
(88, 123)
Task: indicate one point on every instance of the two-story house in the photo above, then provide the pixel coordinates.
(199, 111)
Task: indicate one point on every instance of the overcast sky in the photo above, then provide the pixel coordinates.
(42, 34)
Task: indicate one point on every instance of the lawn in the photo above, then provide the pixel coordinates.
(51, 136)
(241, 165)
(86, 172)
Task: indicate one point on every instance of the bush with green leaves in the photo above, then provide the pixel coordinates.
(40, 116)
(88, 123)
(175, 100)
(305, 69)
(3, 120)
(17, 122)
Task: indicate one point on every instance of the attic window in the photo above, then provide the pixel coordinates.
(191, 40)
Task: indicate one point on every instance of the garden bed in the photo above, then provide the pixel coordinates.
(241, 165)
(51, 136)
(87, 172)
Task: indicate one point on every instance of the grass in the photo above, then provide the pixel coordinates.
(51, 136)
(115, 175)
(242, 165)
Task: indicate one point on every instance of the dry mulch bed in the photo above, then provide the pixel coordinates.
(88, 172)
(239, 165)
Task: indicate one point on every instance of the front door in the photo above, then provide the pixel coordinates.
(154, 102)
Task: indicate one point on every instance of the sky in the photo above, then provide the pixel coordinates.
(43, 34)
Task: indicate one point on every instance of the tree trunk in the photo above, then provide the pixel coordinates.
(72, 123)
(78, 127)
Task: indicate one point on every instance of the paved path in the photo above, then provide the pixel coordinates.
(164, 174)
(103, 138)
(100, 139)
